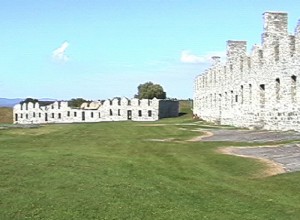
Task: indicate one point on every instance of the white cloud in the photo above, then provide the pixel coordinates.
(59, 53)
(188, 57)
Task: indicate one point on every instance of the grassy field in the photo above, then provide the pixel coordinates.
(6, 115)
(123, 170)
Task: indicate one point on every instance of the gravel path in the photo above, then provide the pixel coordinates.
(250, 136)
(287, 156)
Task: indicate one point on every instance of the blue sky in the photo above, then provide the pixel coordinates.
(99, 49)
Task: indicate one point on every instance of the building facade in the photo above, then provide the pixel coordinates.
(256, 90)
(118, 109)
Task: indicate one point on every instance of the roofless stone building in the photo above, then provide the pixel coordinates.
(256, 90)
(117, 109)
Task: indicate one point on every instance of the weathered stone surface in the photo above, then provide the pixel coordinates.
(287, 155)
(257, 90)
(108, 110)
(250, 136)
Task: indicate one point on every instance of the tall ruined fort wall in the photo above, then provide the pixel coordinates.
(256, 90)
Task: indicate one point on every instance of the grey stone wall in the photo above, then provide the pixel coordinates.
(168, 108)
(256, 90)
(108, 110)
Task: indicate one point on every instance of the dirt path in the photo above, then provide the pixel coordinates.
(273, 167)
(206, 134)
(279, 158)
(287, 155)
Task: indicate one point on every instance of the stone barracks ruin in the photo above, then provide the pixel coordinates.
(257, 90)
(117, 109)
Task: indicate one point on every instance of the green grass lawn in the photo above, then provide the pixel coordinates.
(114, 171)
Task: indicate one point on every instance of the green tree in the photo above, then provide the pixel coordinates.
(76, 103)
(27, 100)
(149, 90)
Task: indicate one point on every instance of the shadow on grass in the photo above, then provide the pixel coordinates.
(181, 114)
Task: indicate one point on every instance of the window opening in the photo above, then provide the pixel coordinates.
(250, 93)
(277, 89)
(83, 116)
(262, 95)
(294, 88)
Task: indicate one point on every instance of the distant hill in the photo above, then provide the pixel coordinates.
(9, 102)
(4, 102)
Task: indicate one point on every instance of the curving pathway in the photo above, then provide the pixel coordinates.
(284, 157)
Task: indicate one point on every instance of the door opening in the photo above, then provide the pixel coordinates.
(129, 114)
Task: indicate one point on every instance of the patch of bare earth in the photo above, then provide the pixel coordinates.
(204, 135)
